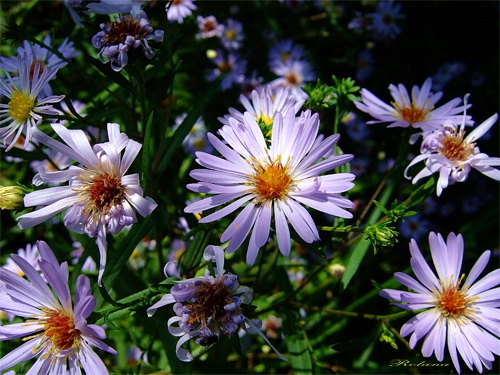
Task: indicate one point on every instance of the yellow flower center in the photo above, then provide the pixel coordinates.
(453, 302)
(230, 34)
(60, 330)
(453, 147)
(271, 182)
(199, 144)
(20, 106)
(411, 114)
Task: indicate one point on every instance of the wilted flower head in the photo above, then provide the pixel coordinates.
(275, 179)
(56, 331)
(416, 110)
(177, 10)
(450, 153)
(117, 38)
(99, 198)
(463, 317)
(25, 106)
(207, 306)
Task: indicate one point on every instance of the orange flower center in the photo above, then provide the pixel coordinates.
(61, 331)
(105, 191)
(454, 148)
(453, 302)
(271, 182)
(411, 114)
(292, 79)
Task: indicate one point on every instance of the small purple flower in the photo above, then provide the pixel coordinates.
(414, 227)
(383, 25)
(55, 331)
(232, 34)
(231, 65)
(209, 27)
(465, 318)
(450, 153)
(293, 75)
(207, 306)
(197, 139)
(285, 51)
(126, 33)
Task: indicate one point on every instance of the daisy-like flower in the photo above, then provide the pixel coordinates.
(266, 102)
(384, 26)
(56, 331)
(46, 58)
(207, 306)
(99, 198)
(232, 35)
(209, 27)
(285, 51)
(464, 317)
(196, 140)
(274, 179)
(126, 33)
(30, 254)
(177, 10)
(25, 106)
(450, 153)
(417, 111)
(293, 75)
(231, 65)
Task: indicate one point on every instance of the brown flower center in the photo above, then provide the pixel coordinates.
(122, 28)
(105, 191)
(210, 300)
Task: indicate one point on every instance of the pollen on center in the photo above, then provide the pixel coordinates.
(105, 191)
(411, 114)
(454, 148)
(271, 181)
(61, 331)
(452, 302)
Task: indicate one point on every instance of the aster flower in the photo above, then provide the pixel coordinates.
(266, 102)
(46, 58)
(25, 106)
(383, 25)
(232, 34)
(466, 317)
(207, 306)
(416, 111)
(231, 65)
(56, 331)
(177, 10)
(448, 151)
(275, 179)
(209, 27)
(99, 198)
(126, 33)
(285, 51)
(293, 75)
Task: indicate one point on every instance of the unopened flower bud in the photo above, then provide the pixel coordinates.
(11, 197)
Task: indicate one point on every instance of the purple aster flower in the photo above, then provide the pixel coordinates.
(56, 331)
(274, 178)
(128, 32)
(209, 27)
(285, 51)
(466, 317)
(207, 306)
(177, 10)
(196, 140)
(383, 23)
(231, 65)
(448, 152)
(364, 65)
(26, 105)
(99, 198)
(232, 35)
(414, 227)
(30, 254)
(46, 58)
(251, 83)
(293, 75)
(416, 111)
(266, 102)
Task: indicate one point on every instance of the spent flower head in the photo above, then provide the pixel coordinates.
(99, 198)
(56, 331)
(462, 314)
(207, 306)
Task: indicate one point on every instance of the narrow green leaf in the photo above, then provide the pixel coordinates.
(147, 153)
(183, 130)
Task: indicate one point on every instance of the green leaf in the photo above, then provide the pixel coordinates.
(147, 153)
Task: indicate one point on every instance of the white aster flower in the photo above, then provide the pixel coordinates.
(177, 10)
(293, 75)
(465, 317)
(448, 152)
(417, 110)
(55, 331)
(99, 198)
(272, 180)
(25, 106)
